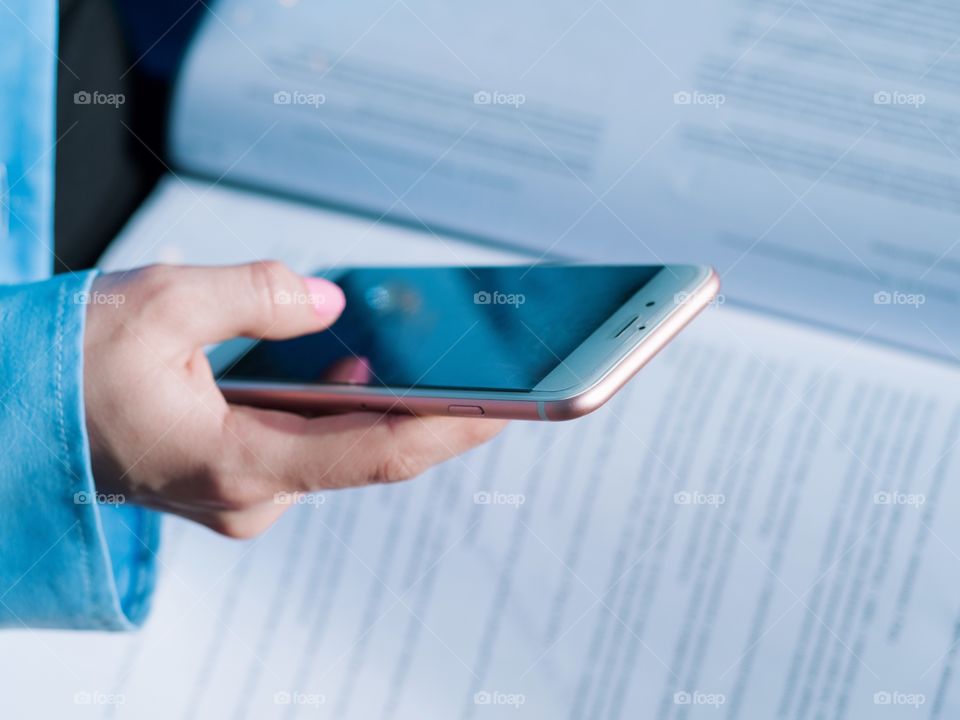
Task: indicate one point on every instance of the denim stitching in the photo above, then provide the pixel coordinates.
(86, 569)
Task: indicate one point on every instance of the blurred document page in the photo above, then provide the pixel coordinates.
(809, 150)
(763, 524)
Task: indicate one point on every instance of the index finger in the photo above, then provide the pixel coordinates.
(290, 452)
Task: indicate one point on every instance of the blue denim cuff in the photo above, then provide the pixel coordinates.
(67, 560)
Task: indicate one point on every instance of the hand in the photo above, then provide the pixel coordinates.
(162, 434)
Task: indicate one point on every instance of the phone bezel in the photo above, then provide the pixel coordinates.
(580, 383)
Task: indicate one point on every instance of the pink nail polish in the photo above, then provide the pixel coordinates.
(359, 372)
(327, 297)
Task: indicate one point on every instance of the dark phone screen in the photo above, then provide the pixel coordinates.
(482, 328)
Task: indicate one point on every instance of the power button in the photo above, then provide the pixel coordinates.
(465, 410)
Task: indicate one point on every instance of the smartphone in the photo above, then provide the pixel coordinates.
(534, 342)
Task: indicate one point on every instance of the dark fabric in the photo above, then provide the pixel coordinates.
(108, 153)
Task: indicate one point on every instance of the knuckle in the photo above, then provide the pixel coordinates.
(157, 281)
(396, 467)
(229, 492)
(273, 268)
(398, 459)
(269, 278)
(160, 292)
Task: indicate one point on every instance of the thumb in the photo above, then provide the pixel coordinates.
(258, 300)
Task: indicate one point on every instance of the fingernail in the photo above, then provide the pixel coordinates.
(327, 297)
(359, 371)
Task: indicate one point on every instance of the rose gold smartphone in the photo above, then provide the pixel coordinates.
(540, 342)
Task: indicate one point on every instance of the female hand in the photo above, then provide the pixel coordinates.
(162, 434)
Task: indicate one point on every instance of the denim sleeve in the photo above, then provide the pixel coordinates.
(66, 559)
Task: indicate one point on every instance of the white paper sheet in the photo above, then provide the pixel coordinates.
(763, 524)
(807, 149)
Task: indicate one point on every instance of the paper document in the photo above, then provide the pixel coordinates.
(762, 524)
(809, 150)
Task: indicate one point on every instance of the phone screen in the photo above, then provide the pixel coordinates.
(481, 328)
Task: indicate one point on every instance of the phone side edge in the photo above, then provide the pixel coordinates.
(595, 396)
